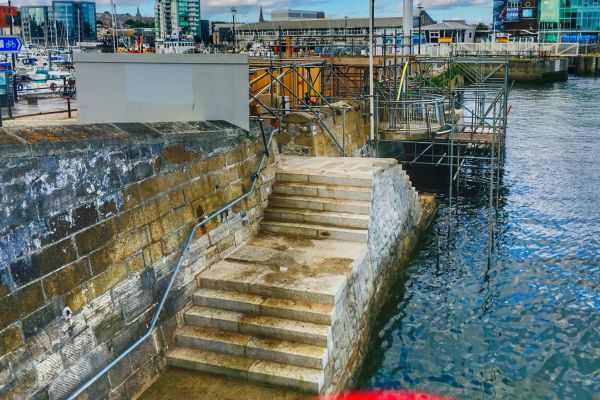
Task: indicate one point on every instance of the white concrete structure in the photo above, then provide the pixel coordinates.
(154, 88)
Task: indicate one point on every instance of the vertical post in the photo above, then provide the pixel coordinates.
(371, 72)
(407, 27)
(233, 11)
(420, 7)
(14, 60)
(69, 106)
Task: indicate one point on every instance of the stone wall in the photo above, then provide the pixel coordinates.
(94, 217)
(587, 65)
(398, 217)
(535, 70)
(303, 134)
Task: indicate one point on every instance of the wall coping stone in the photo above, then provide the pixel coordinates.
(205, 136)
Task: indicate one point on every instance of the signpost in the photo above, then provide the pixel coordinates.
(10, 44)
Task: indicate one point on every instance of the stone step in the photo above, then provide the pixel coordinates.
(344, 220)
(321, 204)
(315, 231)
(265, 280)
(240, 345)
(318, 190)
(258, 325)
(326, 178)
(260, 305)
(291, 376)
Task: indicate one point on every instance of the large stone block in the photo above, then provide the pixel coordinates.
(20, 303)
(10, 339)
(44, 262)
(106, 281)
(161, 183)
(40, 319)
(67, 278)
(95, 237)
(23, 386)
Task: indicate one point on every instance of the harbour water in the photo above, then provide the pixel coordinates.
(526, 325)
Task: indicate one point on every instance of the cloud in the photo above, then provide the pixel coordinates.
(99, 3)
(447, 4)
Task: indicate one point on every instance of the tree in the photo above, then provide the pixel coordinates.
(482, 27)
(138, 24)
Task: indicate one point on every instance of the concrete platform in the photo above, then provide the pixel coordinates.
(179, 384)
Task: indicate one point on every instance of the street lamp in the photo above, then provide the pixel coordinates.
(233, 13)
(420, 8)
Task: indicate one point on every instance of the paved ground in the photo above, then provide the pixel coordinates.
(180, 384)
(26, 114)
(45, 104)
(38, 120)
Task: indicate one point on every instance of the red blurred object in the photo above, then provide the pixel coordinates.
(6, 11)
(386, 395)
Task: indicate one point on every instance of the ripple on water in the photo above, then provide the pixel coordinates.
(529, 326)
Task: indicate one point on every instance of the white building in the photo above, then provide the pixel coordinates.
(289, 15)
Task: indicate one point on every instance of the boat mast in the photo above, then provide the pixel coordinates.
(67, 31)
(113, 10)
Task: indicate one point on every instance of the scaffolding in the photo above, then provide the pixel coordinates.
(282, 86)
(453, 112)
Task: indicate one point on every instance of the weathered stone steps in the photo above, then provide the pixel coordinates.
(258, 325)
(241, 345)
(265, 313)
(319, 190)
(315, 231)
(265, 280)
(357, 179)
(268, 306)
(339, 219)
(321, 204)
(291, 376)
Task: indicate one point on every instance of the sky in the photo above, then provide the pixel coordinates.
(471, 10)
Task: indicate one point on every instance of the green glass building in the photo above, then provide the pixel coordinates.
(569, 21)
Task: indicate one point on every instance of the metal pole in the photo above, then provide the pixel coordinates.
(14, 60)
(233, 11)
(371, 72)
(420, 23)
(407, 26)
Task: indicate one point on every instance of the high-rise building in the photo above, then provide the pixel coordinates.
(65, 23)
(75, 21)
(35, 23)
(177, 18)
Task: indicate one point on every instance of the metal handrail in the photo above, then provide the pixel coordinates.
(206, 219)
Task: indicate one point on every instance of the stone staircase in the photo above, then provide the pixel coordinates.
(265, 313)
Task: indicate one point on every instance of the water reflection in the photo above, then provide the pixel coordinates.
(526, 324)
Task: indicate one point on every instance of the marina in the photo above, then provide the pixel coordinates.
(306, 207)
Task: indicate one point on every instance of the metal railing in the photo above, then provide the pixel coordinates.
(206, 219)
(314, 102)
(517, 49)
(413, 114)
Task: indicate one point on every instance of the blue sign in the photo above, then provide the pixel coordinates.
(512, 14)
(10, 44)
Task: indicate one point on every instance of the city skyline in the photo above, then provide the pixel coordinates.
(248, 10)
